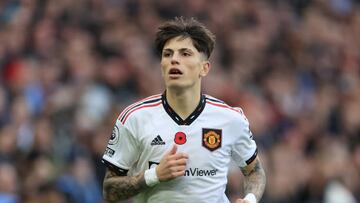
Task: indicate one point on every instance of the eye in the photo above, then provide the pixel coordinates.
(166, 54)
(186, 54)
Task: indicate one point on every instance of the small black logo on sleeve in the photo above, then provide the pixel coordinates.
(110, 152)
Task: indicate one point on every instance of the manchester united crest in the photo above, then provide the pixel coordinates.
(211, 138)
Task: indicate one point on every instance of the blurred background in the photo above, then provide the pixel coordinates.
(68, 68)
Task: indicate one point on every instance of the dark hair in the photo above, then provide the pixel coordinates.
(202, 38)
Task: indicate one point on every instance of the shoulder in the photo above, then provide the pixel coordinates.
(139, 106)
(222, 106)
(232, 115)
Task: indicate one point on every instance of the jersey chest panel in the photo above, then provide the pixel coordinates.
(207, 144)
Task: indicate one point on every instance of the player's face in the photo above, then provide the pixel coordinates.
(182, 65)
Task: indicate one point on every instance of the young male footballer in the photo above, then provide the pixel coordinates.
(177, 146)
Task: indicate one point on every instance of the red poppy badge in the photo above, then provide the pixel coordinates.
(180, 138)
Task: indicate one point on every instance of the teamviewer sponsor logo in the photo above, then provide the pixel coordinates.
(190, 171)
(200, 172)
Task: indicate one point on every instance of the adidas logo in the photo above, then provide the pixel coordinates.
(157, 141)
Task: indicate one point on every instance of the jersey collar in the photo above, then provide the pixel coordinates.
(191, 118)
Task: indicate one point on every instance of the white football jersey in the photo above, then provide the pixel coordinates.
(212, 135)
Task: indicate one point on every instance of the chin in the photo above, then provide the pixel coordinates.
(175, 85)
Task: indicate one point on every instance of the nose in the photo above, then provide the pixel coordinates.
(175, 59)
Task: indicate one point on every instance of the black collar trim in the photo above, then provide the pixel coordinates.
(191, 118)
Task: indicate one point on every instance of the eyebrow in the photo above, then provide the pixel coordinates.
(181, 50)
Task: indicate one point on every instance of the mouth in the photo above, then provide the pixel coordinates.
(175, 72)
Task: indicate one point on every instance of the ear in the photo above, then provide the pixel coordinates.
(205, 68)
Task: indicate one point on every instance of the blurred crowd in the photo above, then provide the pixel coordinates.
(68, 68)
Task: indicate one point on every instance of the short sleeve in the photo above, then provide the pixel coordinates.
(244, 149)
(122, 149)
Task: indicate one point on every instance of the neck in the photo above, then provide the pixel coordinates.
(183, 102)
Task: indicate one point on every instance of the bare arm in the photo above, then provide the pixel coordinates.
(255, 179)
(118, 188)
